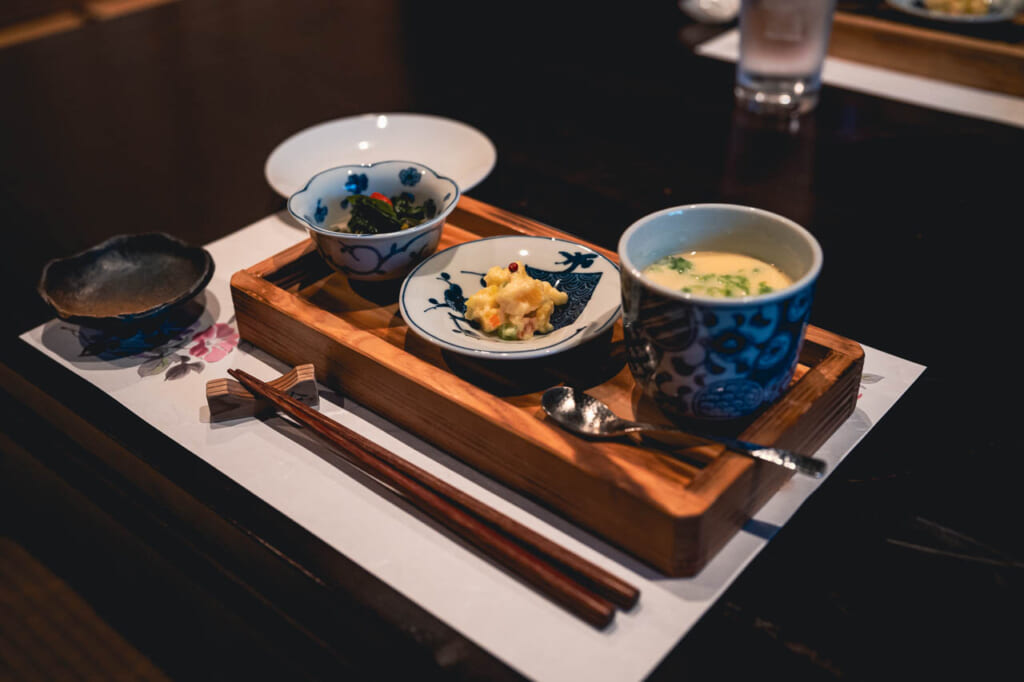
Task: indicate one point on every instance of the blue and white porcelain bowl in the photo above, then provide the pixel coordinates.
(323, 206)
(709, 359)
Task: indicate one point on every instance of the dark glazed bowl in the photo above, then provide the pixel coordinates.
(126, 279)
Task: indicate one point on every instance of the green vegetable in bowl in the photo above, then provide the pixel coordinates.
(377, 214)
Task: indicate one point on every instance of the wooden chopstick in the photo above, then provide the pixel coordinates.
(578, 585)
(609, 586)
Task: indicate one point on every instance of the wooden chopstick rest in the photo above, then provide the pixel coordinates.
(228, 399)
(578, 585)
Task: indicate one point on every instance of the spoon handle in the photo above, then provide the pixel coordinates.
(810, 466)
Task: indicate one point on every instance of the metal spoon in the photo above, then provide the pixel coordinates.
(585, 415)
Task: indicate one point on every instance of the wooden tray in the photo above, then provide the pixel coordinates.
(987, 57)
(674, 513)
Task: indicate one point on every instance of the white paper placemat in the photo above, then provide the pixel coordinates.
(167, 389)
(873, 80)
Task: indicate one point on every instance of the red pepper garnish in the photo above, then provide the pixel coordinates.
(378, 195)
(513, 266)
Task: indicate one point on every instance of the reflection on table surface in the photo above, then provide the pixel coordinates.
(162, 119)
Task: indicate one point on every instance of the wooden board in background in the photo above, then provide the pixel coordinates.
(670, 513)
(994, 63)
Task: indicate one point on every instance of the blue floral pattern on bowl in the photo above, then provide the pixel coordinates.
(433, 297)
(715, 359)
(409, 176)
(356, 184)
(365, 261)
(701, 362)
(323, 207)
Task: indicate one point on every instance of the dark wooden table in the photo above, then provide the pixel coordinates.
(907, 562)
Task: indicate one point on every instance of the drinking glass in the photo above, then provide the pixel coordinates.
(782, 49)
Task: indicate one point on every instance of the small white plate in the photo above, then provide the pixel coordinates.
(433, 296)
(1000, 11)
(451, 148)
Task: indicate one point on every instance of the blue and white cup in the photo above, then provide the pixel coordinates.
(707, 359)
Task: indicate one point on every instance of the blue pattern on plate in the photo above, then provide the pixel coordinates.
(455, 301)
(579, 286)
(441, 319)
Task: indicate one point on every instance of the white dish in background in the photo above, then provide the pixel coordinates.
(710, 11)
(451, 148)
(1001, 10)
(432, 299)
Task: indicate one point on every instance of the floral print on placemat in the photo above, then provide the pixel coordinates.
(210, 345)
(169, 349)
